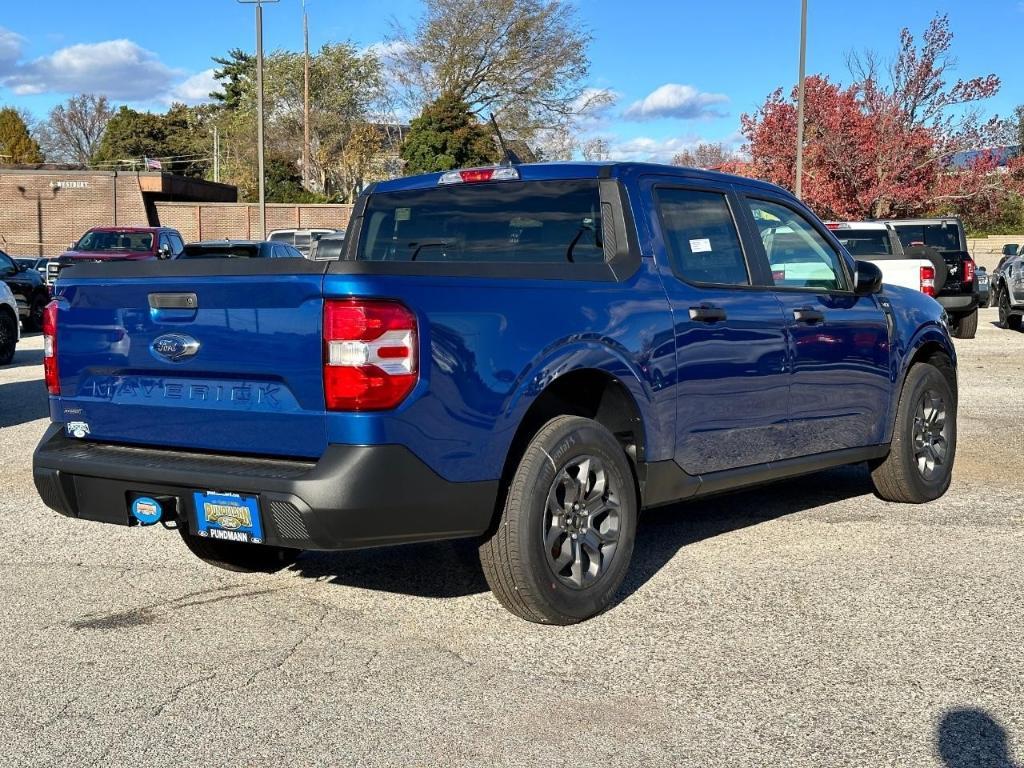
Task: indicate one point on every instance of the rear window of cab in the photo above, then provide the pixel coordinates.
(506, 221)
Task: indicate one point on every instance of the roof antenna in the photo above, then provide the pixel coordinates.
(508, 157)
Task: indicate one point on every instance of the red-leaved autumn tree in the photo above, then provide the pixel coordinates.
(874, 149)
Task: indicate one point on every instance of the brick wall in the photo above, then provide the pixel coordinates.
(240, 221)
(63, 214)
(988, 250)
(42, 211)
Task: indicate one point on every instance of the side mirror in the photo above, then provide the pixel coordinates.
(72, 246)
(868, 279)
(164, 252)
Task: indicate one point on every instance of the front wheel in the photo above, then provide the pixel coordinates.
(8, 337)
(1006, 319)
(565, 537)
(237, 556)
(965, 326)
(919, 466)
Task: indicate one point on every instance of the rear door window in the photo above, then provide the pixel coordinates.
(701, 236)
(526, 222)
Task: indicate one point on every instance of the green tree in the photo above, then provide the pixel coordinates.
(445, 136)
(16, 145)
(131, 136)
(237, 77)
(347, 93)
(179, 139)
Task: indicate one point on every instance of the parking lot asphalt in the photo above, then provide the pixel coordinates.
(805, 623)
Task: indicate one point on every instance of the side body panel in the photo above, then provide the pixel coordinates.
(489, 347)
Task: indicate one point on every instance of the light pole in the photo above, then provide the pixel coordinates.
(54, 189)
(305, 99)
(800, 101)
(259, 112)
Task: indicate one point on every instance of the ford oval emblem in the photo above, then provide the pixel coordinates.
(174, 347)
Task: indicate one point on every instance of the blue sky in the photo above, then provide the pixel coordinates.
(683, 70)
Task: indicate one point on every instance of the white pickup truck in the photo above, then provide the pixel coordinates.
(877, 242)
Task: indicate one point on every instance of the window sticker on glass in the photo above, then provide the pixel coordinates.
(403, 214)
(701, 245)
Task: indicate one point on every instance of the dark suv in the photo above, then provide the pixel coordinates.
(29, 291)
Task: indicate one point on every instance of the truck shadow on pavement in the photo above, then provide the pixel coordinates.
(972, 738)
(25, 358)
(451, 569)
(22, 401)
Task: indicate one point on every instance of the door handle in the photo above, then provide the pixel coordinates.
(707, 314)
(808, 316)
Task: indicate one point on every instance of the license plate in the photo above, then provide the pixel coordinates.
(228, 517)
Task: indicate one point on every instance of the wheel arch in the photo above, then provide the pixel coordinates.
(929, 346)
(592, 392)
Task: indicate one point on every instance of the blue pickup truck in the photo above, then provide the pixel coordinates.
(525, 354)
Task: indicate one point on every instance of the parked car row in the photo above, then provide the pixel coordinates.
(29, 290)
(929, 255)
(148, 243)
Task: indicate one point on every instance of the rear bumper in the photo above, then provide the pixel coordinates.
(959, 304)
(353, 497)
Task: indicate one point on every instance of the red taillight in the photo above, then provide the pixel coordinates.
(50, 373)
(479, 174)
(476, 175)
(370, 361)
(969, 268)
(928, 281)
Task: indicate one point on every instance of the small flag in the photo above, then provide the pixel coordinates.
(153, 165)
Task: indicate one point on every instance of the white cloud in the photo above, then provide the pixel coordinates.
(674, 100)
(646, 149)
(196, 89)
(387, 50)
(119, 69)
(10, 49)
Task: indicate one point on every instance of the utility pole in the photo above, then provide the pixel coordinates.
(216, 154)
(259, 113)
(305, 100)
(800, 102)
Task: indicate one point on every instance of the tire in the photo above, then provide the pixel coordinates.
(239, 557)
(8, 336)
(563, 582)
(1006, 318)
(905, 475)
(34, 321)
(965, 326)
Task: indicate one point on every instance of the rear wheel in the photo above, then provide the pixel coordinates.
(965, 326)
(565, 537)
(236, 556)
(1006, 319)
(8, 336)
(919, 466)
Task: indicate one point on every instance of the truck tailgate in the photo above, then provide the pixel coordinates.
(206, 356)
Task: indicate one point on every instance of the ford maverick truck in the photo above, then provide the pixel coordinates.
(527, 355)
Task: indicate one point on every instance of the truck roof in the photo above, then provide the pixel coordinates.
(583, 170)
